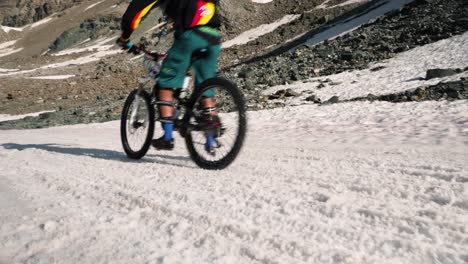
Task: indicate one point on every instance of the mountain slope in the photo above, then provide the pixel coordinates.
(354, 182)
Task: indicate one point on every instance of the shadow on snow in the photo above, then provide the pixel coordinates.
(97, 153)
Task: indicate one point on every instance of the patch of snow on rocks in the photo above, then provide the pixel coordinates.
(8, 29)
(262, 1)
(324, 5)
(259, 31)
(99, 45)
(83, 60)
(16, 117)
(41, 22)
(157, 26)
(93, 5)
(8, 70)
(53, 77)
(5, 48)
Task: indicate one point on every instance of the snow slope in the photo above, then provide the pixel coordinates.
(259, 31)
(346, 183)
(405, 71)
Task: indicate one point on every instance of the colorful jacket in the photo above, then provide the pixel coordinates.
(186, 14)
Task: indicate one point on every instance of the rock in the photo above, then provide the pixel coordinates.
(274, 96)
(283, 93)
(453, 94)
(78, 112)
(347, 56)
(420, 93)
(9, 96)
(249, 85)
(325, 52)
(291, 93)
(333, 100)
(372, 97)
(45, 115)
(314, 99)
(49, 226)
(439, 73)
(324, 19)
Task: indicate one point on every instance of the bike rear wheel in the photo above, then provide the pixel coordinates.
(231, 118)
(137, 124)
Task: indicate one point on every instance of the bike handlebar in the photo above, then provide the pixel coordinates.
(137, 49)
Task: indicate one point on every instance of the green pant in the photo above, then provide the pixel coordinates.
(178, 60)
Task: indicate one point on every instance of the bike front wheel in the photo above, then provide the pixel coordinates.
(137, 124)
(217, 129)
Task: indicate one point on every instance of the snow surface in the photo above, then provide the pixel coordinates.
(93, 5)
(262, 1)
(6, 48)
(8, 70)
(9, 51)
(345, 183)
(157, 26)
(98, 45)
(53, 77)
(83, 60)
(78, 61)
(41, 22)
(8, 29)
(325, 4)
(259, 31)
(404, 72)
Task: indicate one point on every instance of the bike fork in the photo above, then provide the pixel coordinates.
(135, 109)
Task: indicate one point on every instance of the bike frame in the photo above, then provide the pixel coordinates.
(180, 124)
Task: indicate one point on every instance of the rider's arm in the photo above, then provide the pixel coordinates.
(135, 12)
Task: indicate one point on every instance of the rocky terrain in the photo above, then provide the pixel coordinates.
(420, 23)
(17, 13)
(96, 91)
(108, 78)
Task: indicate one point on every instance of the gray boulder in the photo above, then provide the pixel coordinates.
(439, 73)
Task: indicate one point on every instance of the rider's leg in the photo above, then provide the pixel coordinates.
(171, 77)
(206, 68)
(166, 111)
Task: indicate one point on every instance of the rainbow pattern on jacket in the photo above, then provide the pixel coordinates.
(203, 15)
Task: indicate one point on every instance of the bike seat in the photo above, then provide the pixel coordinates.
(199, 54)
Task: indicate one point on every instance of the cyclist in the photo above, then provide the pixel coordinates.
(196, 25)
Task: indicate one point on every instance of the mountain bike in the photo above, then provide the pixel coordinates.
(140, 115)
